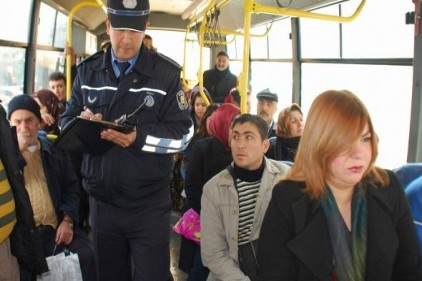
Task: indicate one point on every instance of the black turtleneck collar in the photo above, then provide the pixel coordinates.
(249, 175)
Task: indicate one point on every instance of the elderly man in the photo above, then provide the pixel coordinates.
(219, 81)
(267, 106)
(52, 187)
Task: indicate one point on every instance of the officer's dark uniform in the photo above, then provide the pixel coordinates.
(129, 187)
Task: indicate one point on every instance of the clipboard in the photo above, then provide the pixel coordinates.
(83, 135)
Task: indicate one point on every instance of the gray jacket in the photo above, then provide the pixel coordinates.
(220, 220)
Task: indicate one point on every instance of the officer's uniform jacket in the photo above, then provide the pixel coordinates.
(120, 176)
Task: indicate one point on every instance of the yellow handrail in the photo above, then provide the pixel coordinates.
(259, 8)
(201, 46)
(253, 7)
(72, 12)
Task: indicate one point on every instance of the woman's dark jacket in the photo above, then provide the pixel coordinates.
(283, 148)
(209, 157)
(25, 241)
(295, 244)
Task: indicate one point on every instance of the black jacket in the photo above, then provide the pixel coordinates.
(295, 244)
(25, 240)
(123, 176)
(219, 83)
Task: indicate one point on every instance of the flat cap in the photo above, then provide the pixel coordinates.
(128, 14)
(266, 94)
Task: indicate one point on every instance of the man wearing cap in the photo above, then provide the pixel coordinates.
(267, 106)
(219, 80)
(52, 186)
(128, 184)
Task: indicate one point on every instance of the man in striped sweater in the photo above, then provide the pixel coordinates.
(234, 203)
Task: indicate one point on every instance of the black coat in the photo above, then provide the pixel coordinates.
(219, 83)
(25, 240)
(295, 244)
(209, 157)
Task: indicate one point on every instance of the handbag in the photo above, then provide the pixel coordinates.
(64, 267)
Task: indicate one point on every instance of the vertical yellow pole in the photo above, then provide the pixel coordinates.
(243, 78)
(69, 43)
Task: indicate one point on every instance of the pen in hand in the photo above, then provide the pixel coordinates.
(90, 115)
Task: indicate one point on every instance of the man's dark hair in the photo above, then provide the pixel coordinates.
(148, 36)
(56, 76)
(259, 123)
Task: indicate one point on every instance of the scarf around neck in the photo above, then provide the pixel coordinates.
(349, 248)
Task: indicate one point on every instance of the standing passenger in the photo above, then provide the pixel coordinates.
(336, 216)
(219, 80)
(129, 184)
(234, 203)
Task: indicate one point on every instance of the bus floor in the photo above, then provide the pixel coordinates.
(178, 275)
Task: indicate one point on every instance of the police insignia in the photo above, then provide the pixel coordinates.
(129, 4)
(182, 100)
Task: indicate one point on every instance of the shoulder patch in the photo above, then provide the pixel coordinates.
(182, 101)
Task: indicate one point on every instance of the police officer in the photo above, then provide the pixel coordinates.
(129, 183)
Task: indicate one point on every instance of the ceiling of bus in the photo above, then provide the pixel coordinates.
(174, 13)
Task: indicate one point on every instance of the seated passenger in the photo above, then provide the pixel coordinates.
(235, 200)
(336, 215)
(289, 129)
(52, 187)
(198, 106)
(50, 111)
(209, 157)
(234, 98)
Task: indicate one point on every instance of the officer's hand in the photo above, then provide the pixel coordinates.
(88, 114)
(121, 139)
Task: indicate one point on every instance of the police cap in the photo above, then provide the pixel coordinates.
(128, 14)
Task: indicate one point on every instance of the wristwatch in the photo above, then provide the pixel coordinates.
(69, 222)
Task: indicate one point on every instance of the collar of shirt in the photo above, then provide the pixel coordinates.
(114, 59)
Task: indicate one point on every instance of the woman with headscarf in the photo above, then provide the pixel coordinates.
(288, 133)
(49, 109)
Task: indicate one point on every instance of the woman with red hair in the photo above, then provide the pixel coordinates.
(209, 157)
